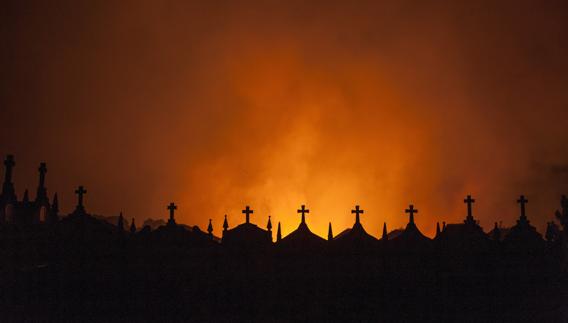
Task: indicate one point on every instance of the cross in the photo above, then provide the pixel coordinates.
(522, 201)
(469, 202)
(9, 163)
(172, 207)
(303, 210)
(411, 210)
(247, 211)
(357, 211)
(80, 191)
(42, 170)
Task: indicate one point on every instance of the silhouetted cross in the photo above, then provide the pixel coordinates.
(247, 211)
(80, 191)
(9, 163)
(172, 207)
(357, 211)
(411, 210)
(303, 210)
(42, 170)
(522, 201)
(469, 202)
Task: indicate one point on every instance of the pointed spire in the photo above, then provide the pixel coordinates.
(41, 194)
(225, 224)
(26, 196)
(278, 233)
(210, 229)
(443, 226)
(552, 231)
(54, 213)
(42, 171)
(329, 233)
(8, 186)
(120, 223)
(55, 204)
(385, 233)
(132, 227)
(496, 233)
(269, 224)
(562, 215)
(437, 229)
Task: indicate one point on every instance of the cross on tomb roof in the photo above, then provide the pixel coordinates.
(522, 201)
(469, 201)
(411, 210)
(247, 211)
(42, 170)
(80, 191)
(303, 210)
(357, 211)
(9, 163)
(172, 207)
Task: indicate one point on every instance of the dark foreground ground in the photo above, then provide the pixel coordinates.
(86, 283)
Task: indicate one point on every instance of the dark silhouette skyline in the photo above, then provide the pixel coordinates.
(42, 199)
(80, 266)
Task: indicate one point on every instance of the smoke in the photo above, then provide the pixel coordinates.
(281, 104)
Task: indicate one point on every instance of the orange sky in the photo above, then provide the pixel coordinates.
(287, 103)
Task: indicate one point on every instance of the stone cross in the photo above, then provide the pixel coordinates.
(469, 201)
(411, 210)
(9, 163)
(303, 210)
(172, 207)
(247, 211)
(522, 201)
(357, 211)
(80, 191)
(42, 170)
